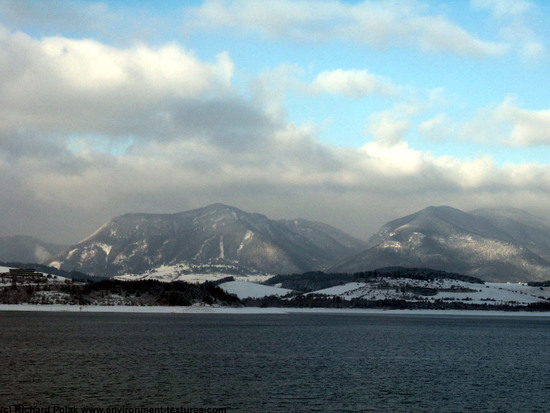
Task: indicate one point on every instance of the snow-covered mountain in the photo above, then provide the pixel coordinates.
(217, 238)
(492, 244)
(20, 248)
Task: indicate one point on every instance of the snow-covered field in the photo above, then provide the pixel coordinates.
(490, 293)
(179, 272)
(245, 289)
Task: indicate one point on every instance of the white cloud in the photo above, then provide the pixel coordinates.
(528, 127)
(375, 24)
(387, 128)
(534, 51)
(269, 88)
(84, 86)
(437, 35)
(353, 83)
(397, 160)
(504, 8)
(437, 128)
(514, 18)
(508, 124)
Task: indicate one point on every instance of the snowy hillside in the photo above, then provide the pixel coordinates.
(446, 290)
(421, 286)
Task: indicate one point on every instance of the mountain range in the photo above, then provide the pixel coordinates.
(493, 244)
(501, 244)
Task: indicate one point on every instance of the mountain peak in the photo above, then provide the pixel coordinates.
(435, 208)
(219, 206)
(441, 211)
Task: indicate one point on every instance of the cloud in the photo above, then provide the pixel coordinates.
(84, 86)
(514, 18)
(387, 128)
(293, 174)
(508, 124)
(528, 127)
(504, 8)
(353, 83)
(56, 14)
(270, 88)
(110, 22)
(437, 128)
(89, 131)
(375, 24)
(534, 51)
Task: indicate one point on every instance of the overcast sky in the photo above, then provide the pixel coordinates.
(348, 112)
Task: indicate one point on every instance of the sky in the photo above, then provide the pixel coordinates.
(352, 113)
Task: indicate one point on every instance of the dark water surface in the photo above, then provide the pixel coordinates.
(277, 363)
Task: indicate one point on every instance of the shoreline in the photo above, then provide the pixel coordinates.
(204, 309)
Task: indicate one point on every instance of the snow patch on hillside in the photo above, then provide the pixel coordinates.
(105, 247)
(245, 289)
(247, 237)
(222, 252)
(90, 251)
(55, 264)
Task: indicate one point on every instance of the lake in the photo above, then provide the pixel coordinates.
(275, 362)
